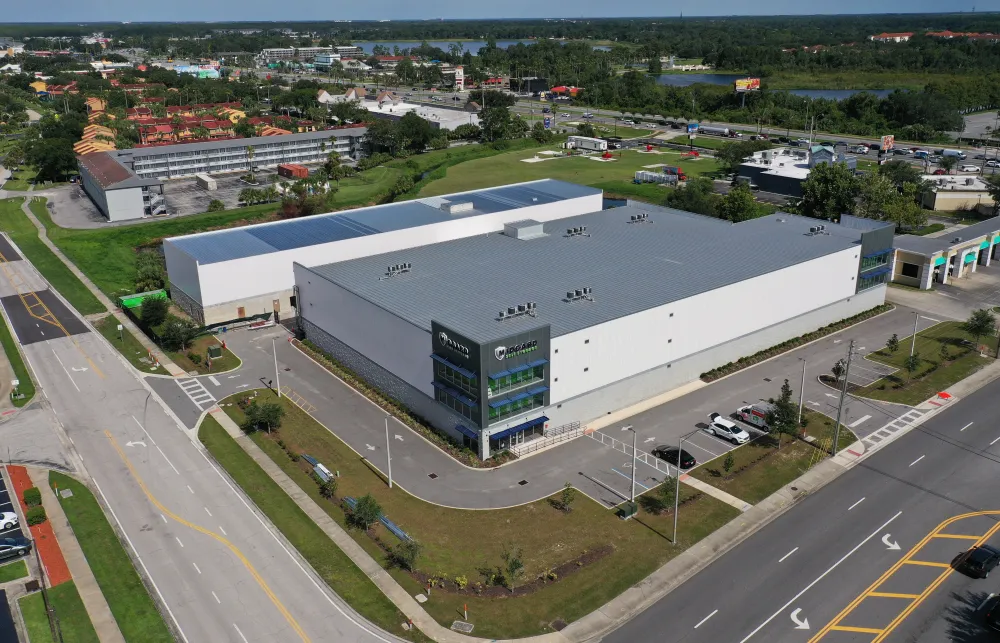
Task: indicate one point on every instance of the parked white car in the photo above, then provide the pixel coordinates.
(564, 115)
(8, 519)
(969, 168)
(720, 427)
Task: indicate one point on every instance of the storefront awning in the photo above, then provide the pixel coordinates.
(524, 426)
(458, 395)
(983, 245)
(467, 432)
(940, 260)
(518, 369)
(969, 258)
(538, 362)
(455, 367)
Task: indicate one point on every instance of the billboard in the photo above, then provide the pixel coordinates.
(747, 84)
(888, 142)
(692, 128)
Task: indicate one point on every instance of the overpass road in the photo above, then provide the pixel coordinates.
(221, 571)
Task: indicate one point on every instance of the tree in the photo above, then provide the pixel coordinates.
(178, 333)
(739, 204)
(912, 363)
(366, 512)
(829, 191)
(838, 369)
(271, 414)
(875, 194)
(149, 271)
(415, 132)
(499, 124)
(655, 66)
(215, 205)
(466, 131)
(948, 163)
(540, 134)
(900, 172)
(698, 196)
(893, 343)
(154, 311)
(981, 323)
(586, 129)
(513, 565)
(905, 210)
(728, 463)
(250, 154)
(732, 155)
(993, 186)
(783, 418)
(405, 554)
(566, 497)
(328, 488)
(54, 158)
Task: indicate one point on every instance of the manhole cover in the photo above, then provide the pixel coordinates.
(558, 624)
(462, 626)
(432, 476)
(795, 488)
(523, 482)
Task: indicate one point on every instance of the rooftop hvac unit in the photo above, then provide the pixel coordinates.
(569, 294)
(521, 308)
(531, 305)
(587, 290)
(970, 181)
(511, 310)
(503, 314)
(813, 230)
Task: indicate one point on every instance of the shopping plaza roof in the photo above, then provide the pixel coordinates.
(250, 241)
(631, 264)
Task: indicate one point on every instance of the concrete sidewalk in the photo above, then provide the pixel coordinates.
(90, 592)
(161, 357)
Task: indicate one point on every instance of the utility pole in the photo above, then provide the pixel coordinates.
(802, 389)
(843, 396)
(388, 455)
(913, 339)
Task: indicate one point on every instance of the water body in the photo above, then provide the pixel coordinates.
(685, 80)
(472, 46)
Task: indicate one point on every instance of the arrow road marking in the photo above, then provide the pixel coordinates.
(399, 437)
(831, 395)
(799, 625)
(650, 440)
(132, 444)
(78, 370)
(889, 543)
(370, 447)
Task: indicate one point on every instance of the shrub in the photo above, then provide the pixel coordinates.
(32, 497)
(194, 357)
(216, 205)
(154, 311)
(366, 512)
(462, 582)
(36, 516)
(405, 554)
(328, 488)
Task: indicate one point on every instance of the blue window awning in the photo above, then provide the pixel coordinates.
(464, 371)
(495, 404)
(496, 376)
(520, 396)
(537, 390)
(520, 427)
(875, 273)
(538, 362)
(876, 254)
(458, 395)
(467, 432)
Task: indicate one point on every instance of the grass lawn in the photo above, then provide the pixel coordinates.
(342, 575)
(15, 223)
(622, 131)
(362, 188)
(509, 168)
(20, 181)
(13, 571)
(935, 373)
(200, 346)
(27, 387)
(765, 469)
(821, 427)
(126, 343)
(853, 80)
(549, 537)
(130, 603)
(74, 623)
(648, 192)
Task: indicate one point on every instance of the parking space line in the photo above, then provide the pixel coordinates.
(856, 504)
(696, 445)
(917, 460)
(629, 478)
(966, 426)
(859, 421)
(782, 559)
(702, 621)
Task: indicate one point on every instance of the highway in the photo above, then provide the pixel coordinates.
(219, 569)
(791, 580)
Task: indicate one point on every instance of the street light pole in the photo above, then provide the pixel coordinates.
(677, 485)
(913, 340)
(277, 374)
(634, 434)
(840, 406)
(388, 455)
(802, 389)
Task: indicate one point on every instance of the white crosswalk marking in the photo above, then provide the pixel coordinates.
(197, 393)
(892, 428)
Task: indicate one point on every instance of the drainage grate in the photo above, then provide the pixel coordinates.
(558, 625)
(523, 482)
(767, 379)
(432, 476)
(462, 626)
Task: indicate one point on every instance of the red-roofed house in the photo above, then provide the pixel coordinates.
(892, 37)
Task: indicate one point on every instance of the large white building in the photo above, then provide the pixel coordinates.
(230, 274)
(500, 338)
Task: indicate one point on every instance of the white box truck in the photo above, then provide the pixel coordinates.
(755, 414)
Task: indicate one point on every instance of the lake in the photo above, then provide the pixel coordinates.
(470, 45)
(686, 80)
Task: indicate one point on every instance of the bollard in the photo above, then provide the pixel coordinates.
(465, 609)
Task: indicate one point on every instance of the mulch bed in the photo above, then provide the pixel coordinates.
(45, 540)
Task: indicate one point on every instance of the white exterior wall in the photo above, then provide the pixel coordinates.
(637, 343)
(125, 204)
(240, 279)
(391, 342)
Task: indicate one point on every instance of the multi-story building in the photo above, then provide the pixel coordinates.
(116, 190)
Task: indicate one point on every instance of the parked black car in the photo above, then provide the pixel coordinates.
(992, 617)
(669, 454)
(979, 561)
(14, 546)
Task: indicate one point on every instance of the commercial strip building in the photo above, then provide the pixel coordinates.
(229, 274)
(497, 339)
(962, 192)
(145, 167)
(392, 108)
(924, 261)
(783, 170)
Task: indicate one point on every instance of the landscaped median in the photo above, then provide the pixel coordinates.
(572, 557)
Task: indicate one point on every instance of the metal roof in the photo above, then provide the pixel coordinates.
(110, 174)
(934, 245)
(630, 267)
(264, 238)
(257, 141)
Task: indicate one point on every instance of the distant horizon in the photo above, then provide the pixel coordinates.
(294, 11)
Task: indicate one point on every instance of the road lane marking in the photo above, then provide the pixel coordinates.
(189, 488)
(224, 541)
(893, 595)
(958, 536)
(196, 567)
(821, 577)
(157, 446)
(216, 598)
(178, 541)
(926, 563)
(211, 378)
(207, 511)
(782, 559)
(241, 634)
(702, 621)
(223, 531)
(985, 601)
(629, 478)
(860, 420)
(859, 630)
(994, 441)
(917, 460)
(965, 427)
(65, 371)
(856, 504)
(164, 518)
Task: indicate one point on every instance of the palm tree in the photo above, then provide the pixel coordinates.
(250, 161)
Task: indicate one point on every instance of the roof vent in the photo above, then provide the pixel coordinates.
(524, 229)
(580, 294)
(956, 240)
(780, 220)
(396, 269)
(457, 208)
(639, 218)
(519, 310)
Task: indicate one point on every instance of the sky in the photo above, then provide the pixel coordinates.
(227, 10)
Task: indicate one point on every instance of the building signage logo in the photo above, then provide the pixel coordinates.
(505, 352)
(448, 342)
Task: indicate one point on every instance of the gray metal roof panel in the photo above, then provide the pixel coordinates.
(156, 150)
(631, 267)
(932, 245)
(209, 249)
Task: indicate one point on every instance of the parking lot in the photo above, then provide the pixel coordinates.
(185, 196)
(7, 505)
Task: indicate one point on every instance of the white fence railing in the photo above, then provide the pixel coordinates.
(626, 448)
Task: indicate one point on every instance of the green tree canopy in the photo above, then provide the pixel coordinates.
(829, 191)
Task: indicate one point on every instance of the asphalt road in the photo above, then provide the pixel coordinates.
(221, 570)
(819, 557)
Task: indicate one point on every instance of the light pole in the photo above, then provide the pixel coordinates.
(677, 482)
(634, 434)
(802, 389)
(840, 406)
(913, 340)
(277, 375)
(388, 455)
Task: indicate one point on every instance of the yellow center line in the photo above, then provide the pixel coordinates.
(957, 536)
(862, 630)
(927, 563)
(246, 563)
(892, 595)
